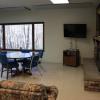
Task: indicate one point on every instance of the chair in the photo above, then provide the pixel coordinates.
(25, 50)
(40, 54)
(28, 64)
(7, 64)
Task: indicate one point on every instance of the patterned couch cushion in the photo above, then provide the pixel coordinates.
(8, 94)
(11, 90)
(22, 86)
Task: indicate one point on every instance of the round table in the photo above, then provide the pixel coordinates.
(17, 55)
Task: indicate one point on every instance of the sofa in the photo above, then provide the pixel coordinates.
(11, 90)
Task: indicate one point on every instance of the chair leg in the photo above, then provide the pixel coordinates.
(7, 72)
(1, 71)
(17, 70)
(11, 72)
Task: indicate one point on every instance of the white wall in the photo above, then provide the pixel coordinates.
(54, 19)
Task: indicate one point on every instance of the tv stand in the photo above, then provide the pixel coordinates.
(71, 57)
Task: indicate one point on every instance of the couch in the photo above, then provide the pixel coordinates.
(11, 90)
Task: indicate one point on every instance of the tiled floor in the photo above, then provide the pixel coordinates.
(69, 81)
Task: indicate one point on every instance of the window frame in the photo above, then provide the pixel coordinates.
(21, 23)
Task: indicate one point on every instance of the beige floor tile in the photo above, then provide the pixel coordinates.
(69, 81)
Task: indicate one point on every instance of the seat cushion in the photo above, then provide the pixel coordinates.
(7, 84)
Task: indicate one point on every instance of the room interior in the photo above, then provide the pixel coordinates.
(73, 82)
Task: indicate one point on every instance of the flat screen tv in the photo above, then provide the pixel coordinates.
(75, 30)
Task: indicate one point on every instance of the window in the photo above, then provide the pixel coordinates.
(18, 36)
(23, 35)
(38, 36)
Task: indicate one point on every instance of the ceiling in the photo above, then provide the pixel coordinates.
(30, 3)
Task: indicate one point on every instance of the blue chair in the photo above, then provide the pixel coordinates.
(25, 51)
(7, 65)
(28, 64)
(40, 54)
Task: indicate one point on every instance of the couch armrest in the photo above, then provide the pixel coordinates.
(52, 92)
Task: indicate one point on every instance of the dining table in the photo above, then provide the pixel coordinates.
(19, 56)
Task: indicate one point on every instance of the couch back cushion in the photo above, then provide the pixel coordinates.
(7, 84)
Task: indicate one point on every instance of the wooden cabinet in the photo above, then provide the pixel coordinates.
(71, 58)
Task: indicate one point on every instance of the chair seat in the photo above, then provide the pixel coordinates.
(10, 60)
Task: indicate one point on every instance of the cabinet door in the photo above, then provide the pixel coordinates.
(69, 60)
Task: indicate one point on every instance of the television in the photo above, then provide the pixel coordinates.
(75, 30)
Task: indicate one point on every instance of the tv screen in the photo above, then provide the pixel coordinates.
(75, 30)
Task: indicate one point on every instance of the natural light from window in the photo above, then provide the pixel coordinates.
(18, 36)
(38, 36)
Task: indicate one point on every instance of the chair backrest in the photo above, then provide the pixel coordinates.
(40, 53)
(34, 61)
(25, 51)
(3, 58)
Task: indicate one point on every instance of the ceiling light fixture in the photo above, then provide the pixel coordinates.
(59, 1)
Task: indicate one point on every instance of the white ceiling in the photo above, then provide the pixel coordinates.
(29, 3)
